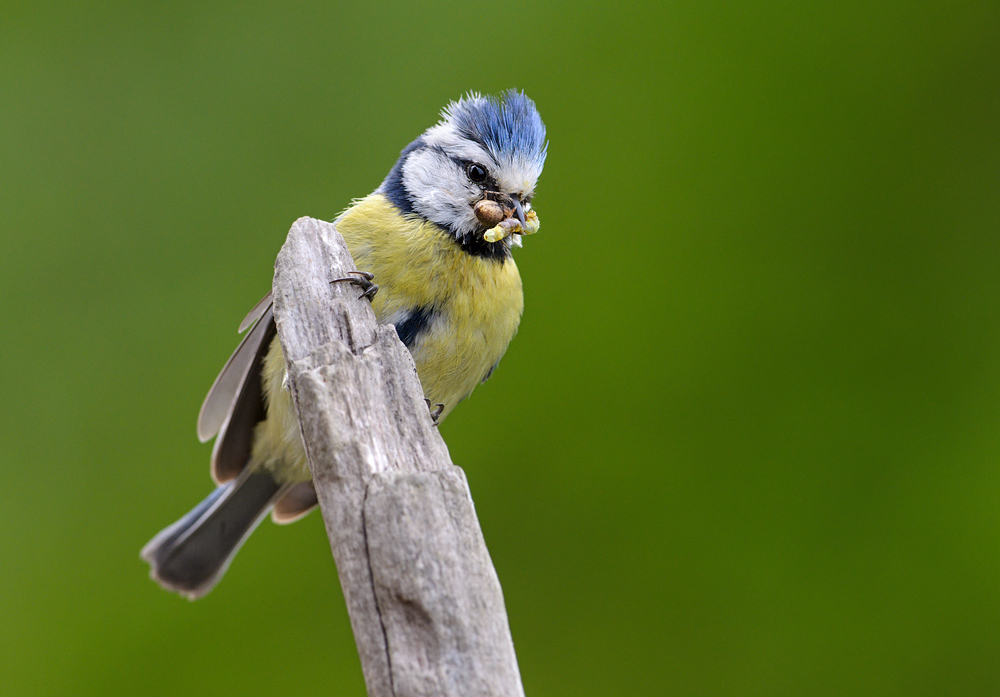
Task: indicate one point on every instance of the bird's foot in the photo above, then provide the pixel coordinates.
(436, 410)
(363, 280)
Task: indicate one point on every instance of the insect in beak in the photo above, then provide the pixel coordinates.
(504, 215)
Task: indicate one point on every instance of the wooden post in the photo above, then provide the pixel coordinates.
(424, 600)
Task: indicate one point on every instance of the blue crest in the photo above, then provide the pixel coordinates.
(507, 125)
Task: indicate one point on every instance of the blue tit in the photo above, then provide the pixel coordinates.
(437, 238)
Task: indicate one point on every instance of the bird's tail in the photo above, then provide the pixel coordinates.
(191, 555)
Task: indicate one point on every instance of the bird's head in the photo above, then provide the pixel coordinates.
(474, 172)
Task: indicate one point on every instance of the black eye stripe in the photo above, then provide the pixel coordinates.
(488, 182)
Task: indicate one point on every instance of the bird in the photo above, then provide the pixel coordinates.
(433, 248)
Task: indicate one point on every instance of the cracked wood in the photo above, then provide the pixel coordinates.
(425, 603)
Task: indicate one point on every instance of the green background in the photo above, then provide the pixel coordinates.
(745, 443)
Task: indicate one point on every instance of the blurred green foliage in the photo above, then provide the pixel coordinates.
(746, 442)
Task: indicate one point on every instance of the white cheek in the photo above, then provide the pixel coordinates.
(439, 189)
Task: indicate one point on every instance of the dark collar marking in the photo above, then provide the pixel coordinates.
(393, 187)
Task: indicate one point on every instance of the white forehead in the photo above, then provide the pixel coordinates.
(515, 173)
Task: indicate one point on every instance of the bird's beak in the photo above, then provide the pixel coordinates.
(519, 210)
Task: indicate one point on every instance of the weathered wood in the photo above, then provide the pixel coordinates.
(424, 600)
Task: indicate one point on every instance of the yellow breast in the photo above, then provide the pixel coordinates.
(475, 303)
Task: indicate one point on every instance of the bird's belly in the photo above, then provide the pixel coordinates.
(455, 312)
(456, 353)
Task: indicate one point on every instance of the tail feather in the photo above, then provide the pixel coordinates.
(191, 555)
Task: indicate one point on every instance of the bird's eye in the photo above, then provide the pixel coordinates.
(476, 172)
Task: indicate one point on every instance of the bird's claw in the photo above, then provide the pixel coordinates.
(363, 280)
(436, 410)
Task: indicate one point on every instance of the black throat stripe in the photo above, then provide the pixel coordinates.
(474, 244)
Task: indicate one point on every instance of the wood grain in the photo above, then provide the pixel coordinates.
(424, 600)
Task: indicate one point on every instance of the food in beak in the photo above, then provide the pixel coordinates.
(510, 226)
(505, 216)
(489, 212)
